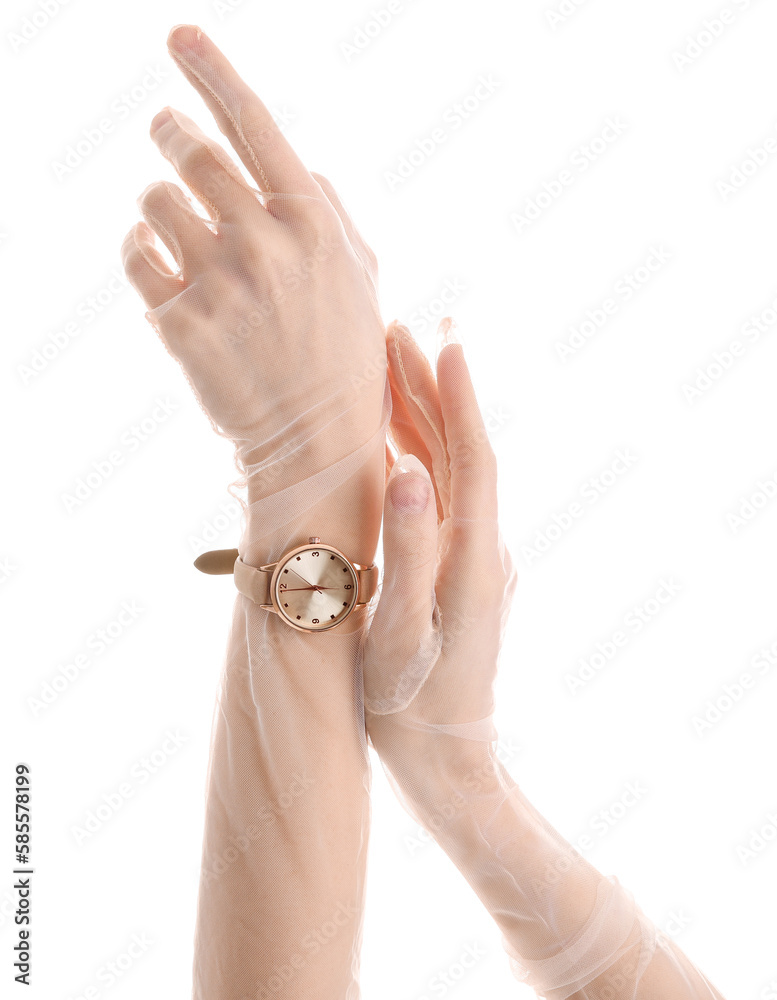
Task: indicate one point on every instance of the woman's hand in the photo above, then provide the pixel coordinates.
(273, 312)
(430, 656)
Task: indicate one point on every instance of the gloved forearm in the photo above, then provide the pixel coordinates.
(273, 318)
(287, 819)
(449, 581)
(569, 930)
(287, 814)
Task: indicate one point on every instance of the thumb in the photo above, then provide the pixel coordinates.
(404, 634)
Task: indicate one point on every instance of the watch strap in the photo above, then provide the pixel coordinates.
(254, 582)
(217, 561)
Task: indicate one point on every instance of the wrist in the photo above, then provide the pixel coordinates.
(436, 772)
(331, 486)
(347, 517)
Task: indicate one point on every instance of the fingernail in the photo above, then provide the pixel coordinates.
(409, 493)
(159, 120)
(184, 37)
(447, 333)
(409, 463)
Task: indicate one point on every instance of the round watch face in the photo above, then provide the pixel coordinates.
(314, 588)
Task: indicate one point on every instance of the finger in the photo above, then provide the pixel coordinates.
(403, 433)
(416, 422)
(204, 166)
(471, 457)
(240, 115)
(146, 269)
(169, 213)
(364, 253)
(389, 462)
(404, 637)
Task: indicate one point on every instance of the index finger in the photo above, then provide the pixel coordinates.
(240, 115)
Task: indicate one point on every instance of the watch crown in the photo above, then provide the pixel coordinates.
(314, 540)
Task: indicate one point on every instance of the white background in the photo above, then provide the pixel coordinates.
(555, 424)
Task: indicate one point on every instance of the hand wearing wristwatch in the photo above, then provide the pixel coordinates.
(312, 587)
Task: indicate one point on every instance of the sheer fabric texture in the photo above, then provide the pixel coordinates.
(273, 316)
(429, 660)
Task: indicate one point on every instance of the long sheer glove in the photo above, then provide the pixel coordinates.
(273, 318)
(429, 661)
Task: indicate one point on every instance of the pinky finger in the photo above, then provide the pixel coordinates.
(146, 269)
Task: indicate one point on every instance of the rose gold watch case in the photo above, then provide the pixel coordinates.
(277, 567)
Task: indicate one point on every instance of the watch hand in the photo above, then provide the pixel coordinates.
(314, 587)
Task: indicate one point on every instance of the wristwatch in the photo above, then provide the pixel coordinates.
(312, 587)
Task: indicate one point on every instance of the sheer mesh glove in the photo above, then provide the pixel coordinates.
(273, 318)
(273, 312)
(429, 661)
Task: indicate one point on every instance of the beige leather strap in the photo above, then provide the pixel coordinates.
(217, 561)
(255, 583)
